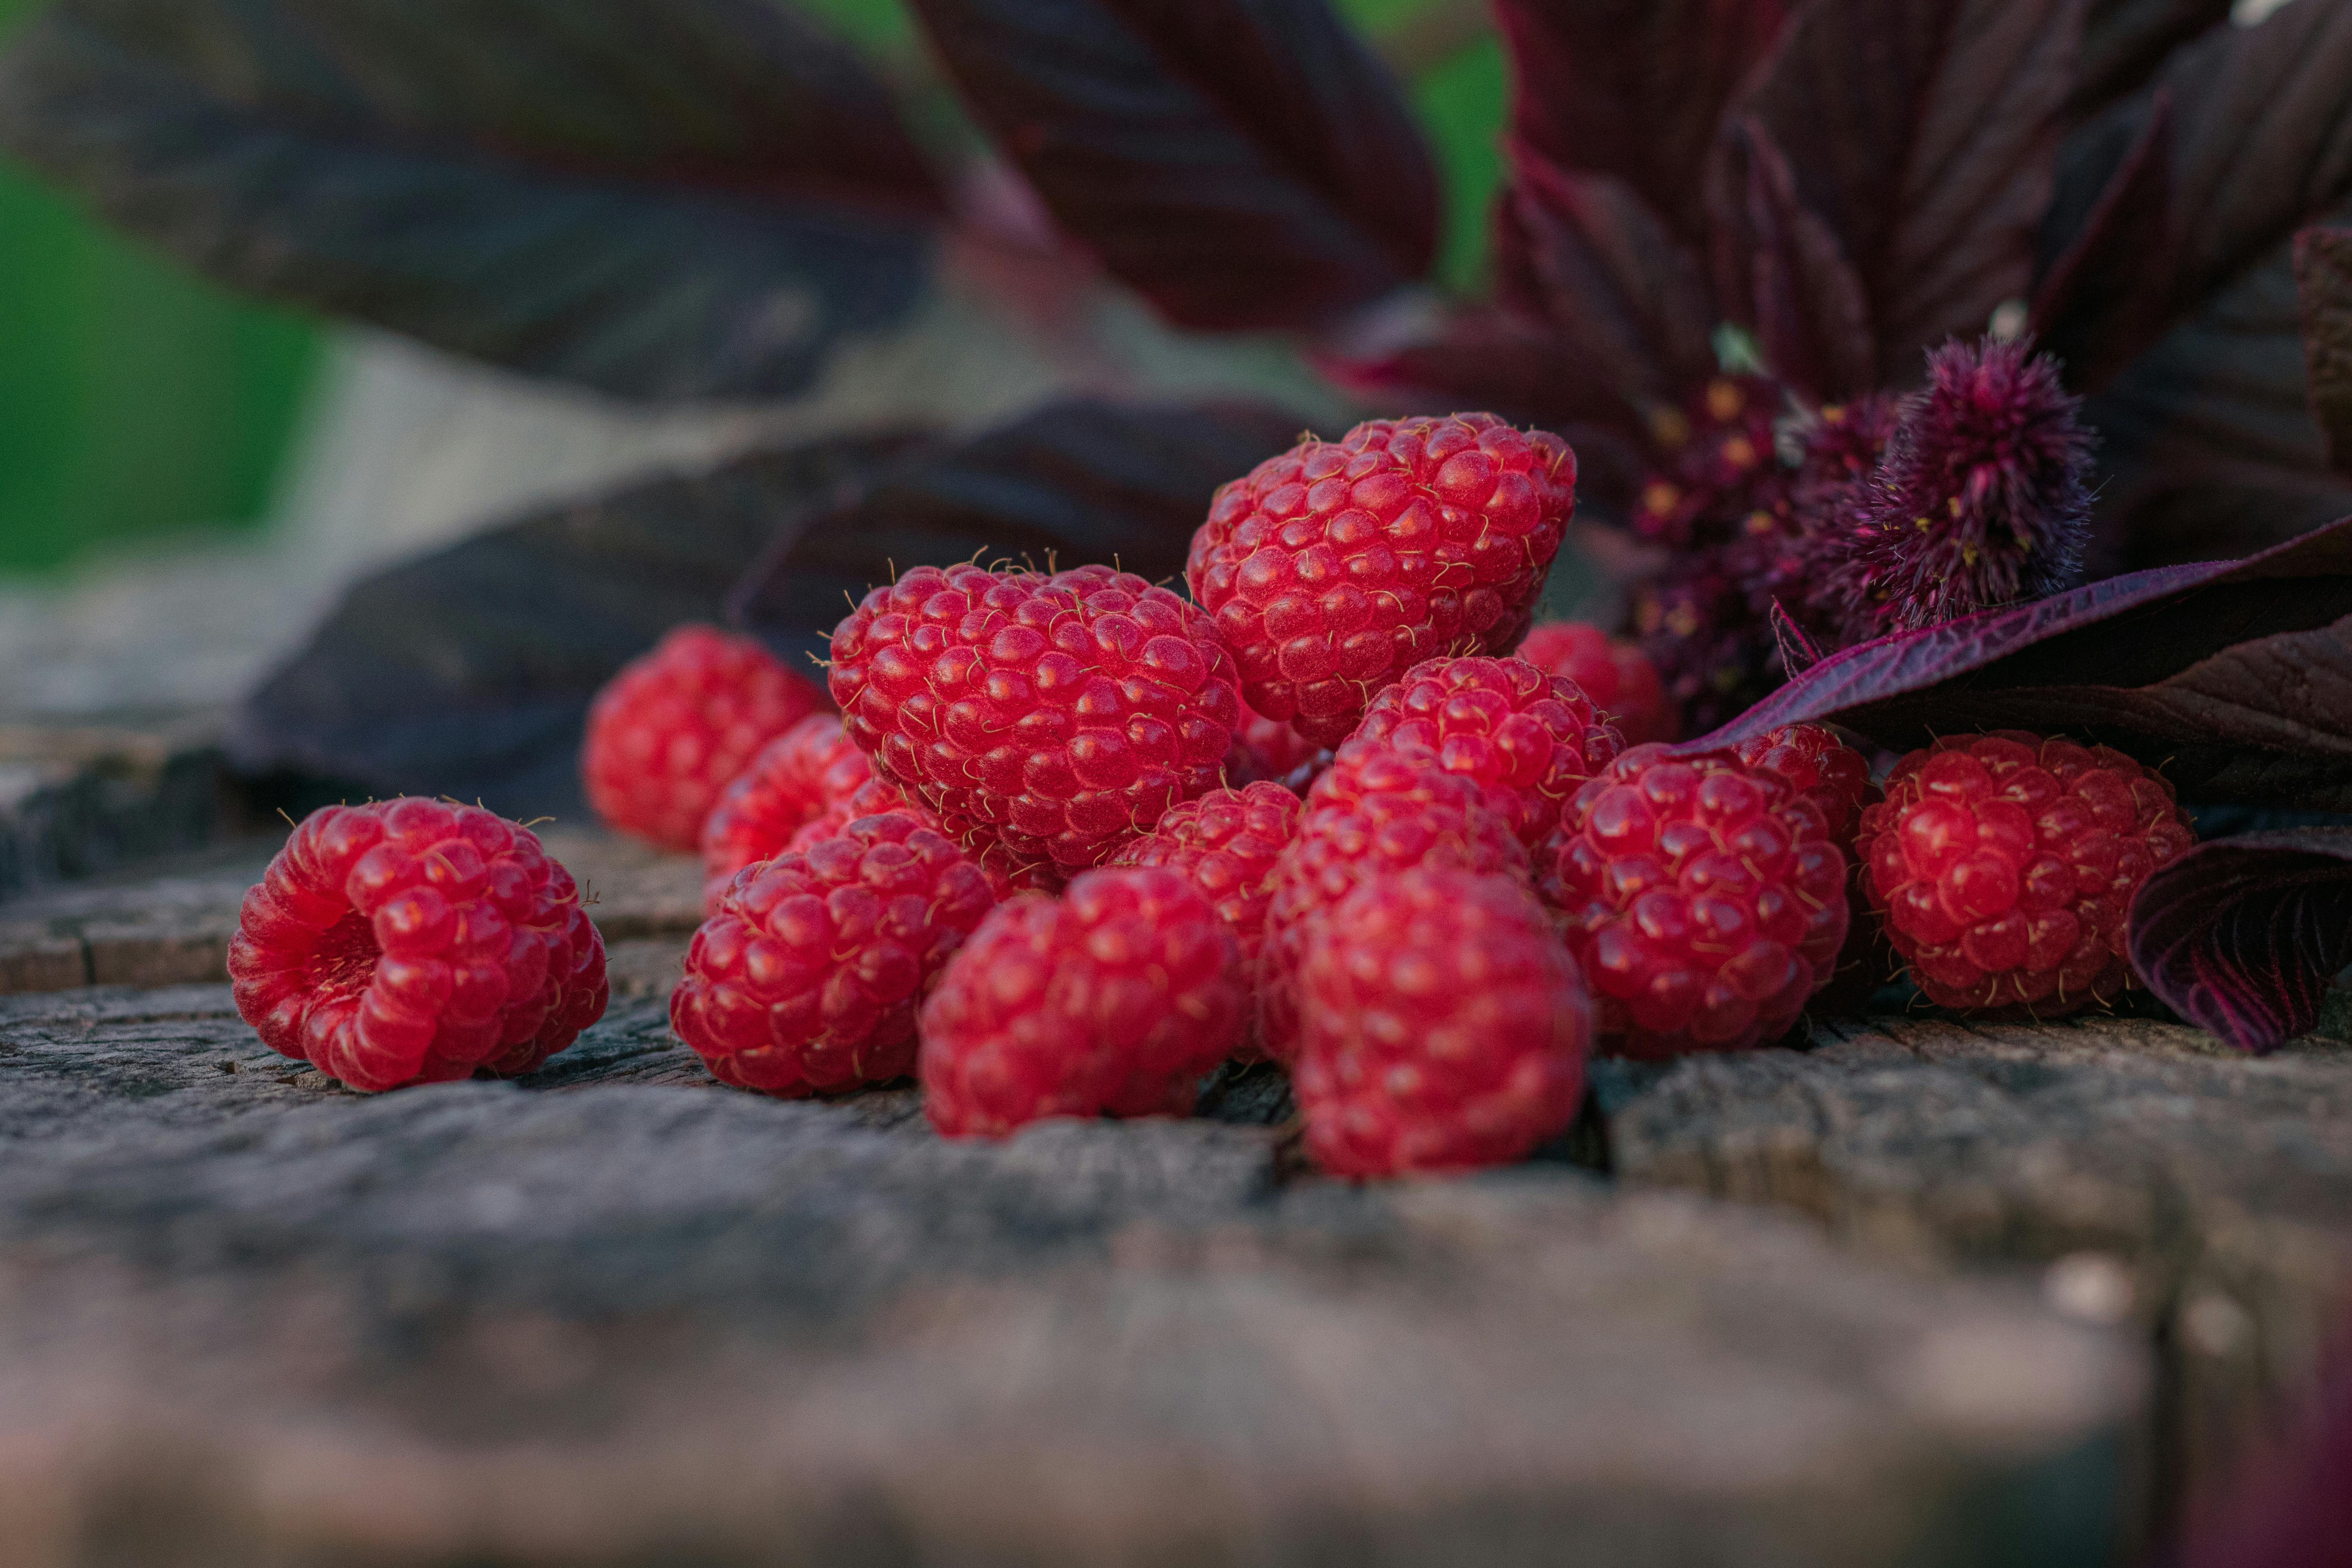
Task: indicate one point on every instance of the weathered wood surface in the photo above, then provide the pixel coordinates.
(613, 1315)
(172, 926)
(77, 799)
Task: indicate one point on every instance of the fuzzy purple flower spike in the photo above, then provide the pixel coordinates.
(1983, 498)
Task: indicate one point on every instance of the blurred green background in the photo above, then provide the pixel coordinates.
(137, 400)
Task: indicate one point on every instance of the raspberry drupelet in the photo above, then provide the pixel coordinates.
(1227, 844)
(1704, 897)
(1526, 739)
(2005, 866)
(1446, 1027)
(1336, 567)
(806, 978)
(1056, 716)
(672, 730)
(1374, 813)
(412, 941)
(1614, 673)
(1116, 998)
(810, 770)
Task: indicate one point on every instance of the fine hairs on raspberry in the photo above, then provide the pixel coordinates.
(413, 942)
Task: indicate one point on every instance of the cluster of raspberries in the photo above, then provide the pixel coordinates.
(1072, 839)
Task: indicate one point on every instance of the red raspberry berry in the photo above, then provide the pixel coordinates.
(1227, 844)
(1057, 716)
(1836, 779)
(1374, 813)
(1825, 770)
(2005, 866)
(1446, 1027)
(810, 770)
(1703, 898)
(806, 979)
(675, 726)
(1270, 750)
(1336, 567)
(412, 942)
(872, 798)
(1526, 739)
(1115, 997)
(1615, 674)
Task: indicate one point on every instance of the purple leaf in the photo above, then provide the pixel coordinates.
(1244, 164)
(2208, 447)
(1922, 135)
(656, 198)
(1634, 88)
(2083, 306)
(2125, 41)
(2242, 936)
(2322, 275)
(1780, 271)
(2235, 676)
(1586, 257)
(2262, 144)
(1070, 484)
(467, 672)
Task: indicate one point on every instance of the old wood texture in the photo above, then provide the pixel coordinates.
(616, 1315)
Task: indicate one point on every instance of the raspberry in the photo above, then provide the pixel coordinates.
(1446, 1027)
(412, 942)
(1374, 813)
(1227, 844)
(1271, 751)
(872, 798)
(1055, 716)
(1615, 674)
(1704, 897)
(676, 725)
(1526, 739)
(811, 769)
(806, 978)
(1115, 997)
(1335, 568)
(2005, 866)
(1825, 770)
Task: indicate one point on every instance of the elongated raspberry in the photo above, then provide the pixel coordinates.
(1704, 897)
(1374, 813)
(1526, 739)
(806, 978)
(675, 726)
(1336, 567)
(1446, 1027)
(412, 942)
(1615, 674)
(809, 770)
(1227, 844)
(1115, 997)
(2005, 866)
(1053, 716)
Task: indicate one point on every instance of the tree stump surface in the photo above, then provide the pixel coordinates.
(1924, 1292)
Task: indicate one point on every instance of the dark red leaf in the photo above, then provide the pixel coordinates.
(2262, 144)
(2083, 304)
(1586, 257)
(467, 672)
(1780, 271)
(2242, 936)
(2235, 676)
(1244, 164)
(2207, 444)
(657, 197)
(2323, 274)
(1922, 135)
(1070, 484)
(2125, 42)
(1633, 87)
